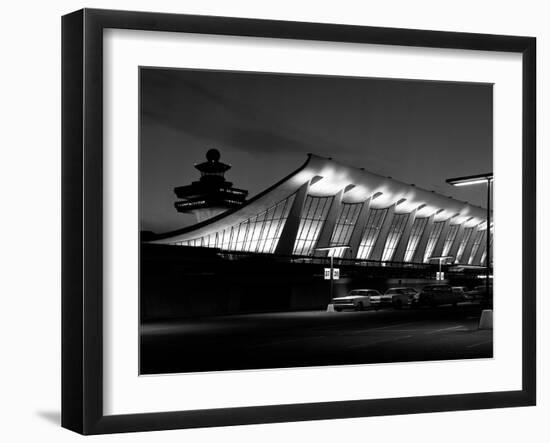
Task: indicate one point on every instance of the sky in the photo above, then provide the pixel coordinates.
(420, 132)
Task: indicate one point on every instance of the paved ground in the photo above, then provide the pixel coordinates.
(313, 338)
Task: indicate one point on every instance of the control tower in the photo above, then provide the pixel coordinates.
(212, 194)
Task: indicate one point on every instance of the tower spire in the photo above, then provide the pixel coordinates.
(212, 194)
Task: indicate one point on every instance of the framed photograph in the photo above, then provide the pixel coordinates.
(269, 221)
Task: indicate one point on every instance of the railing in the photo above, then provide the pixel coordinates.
(338, 262)
(392, 267)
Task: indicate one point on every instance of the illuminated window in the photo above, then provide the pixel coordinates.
(432, 239)
(347, 218)
(312, 220)
(416, 234)
(260, 233)
(374, 223)
(396, 231)
(449, 240)
(475, 247)
(463, 243)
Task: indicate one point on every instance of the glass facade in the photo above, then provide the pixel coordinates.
(375, 220)
(257, 234)
(347, 218)
(261, 233)
(475, 247)
(432, 239)
(463, 243)
(312, 220)
(416, 234)
(394, 234)
(449, 240)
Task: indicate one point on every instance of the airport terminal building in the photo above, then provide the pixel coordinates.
(326, 204)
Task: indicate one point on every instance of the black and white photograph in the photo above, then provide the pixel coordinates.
(290, 220)
(275, 222)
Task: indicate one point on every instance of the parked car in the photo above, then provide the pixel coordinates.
(461, 290)
(436, 295)
(399, 297)
(358, 299)
(479, 294)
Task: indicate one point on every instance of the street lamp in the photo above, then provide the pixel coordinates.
(475, 180)
(441, 259)
(331, 250)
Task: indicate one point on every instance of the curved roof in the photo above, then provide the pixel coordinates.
(330, 177)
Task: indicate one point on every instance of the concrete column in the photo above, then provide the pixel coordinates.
(480, 250)
(328, 226)
(456, 243)
(285, 246)
(491, 252)
(404, 240)
(441, 240)
(358, 229)
(421, 248)
(382, 236)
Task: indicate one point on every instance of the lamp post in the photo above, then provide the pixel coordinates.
(331, 250)
(441, 259)
(475, 180)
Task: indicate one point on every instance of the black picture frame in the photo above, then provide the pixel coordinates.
(82, 218)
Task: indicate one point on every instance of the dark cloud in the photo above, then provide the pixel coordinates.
(417, 131)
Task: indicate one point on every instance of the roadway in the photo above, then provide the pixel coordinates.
(313, 338)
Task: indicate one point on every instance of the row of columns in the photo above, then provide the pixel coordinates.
(289, 233)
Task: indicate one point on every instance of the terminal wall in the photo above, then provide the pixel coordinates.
(179, 282)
